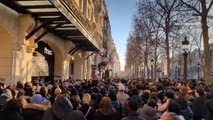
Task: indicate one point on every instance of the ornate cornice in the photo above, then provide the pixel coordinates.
(90, 25)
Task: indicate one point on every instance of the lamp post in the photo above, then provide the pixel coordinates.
(198, 70)
(176, 69)
(152, 61)
(185, 45)
(142, 71)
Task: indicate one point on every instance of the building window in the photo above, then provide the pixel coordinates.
(85, 8)
(88, 13)
(80, 5)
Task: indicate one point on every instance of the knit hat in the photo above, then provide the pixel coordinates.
(37, 99)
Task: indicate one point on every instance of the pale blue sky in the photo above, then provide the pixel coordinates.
(120, 15)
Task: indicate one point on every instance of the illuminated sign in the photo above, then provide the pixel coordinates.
(47, 51)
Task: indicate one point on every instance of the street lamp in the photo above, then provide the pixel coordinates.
(152, 61)
(176, 70)
(142, 71)
(198, 70)
(185, 45)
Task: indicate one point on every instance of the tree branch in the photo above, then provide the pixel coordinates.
(210, 5)
(193, 8)
(174, 1)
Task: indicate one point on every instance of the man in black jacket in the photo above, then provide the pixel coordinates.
(198, 105)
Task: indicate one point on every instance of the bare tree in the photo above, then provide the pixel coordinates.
(202, 8)
(133, 54)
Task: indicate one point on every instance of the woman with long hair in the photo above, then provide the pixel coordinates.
(105, 110)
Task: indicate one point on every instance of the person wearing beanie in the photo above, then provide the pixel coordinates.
(37, 99)
(35, 109)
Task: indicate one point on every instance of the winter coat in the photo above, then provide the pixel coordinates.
(122, 97)
(148, 112)
(187, 113)
(75, 115)
(12, 111)
(59, 109)
(100, 116)
(84, 109)
(3, 101)
(209, 108)
(133, 116)
(33, 111)
(118, 107)
(137, 99)
(32, 114)
(62, 110)
(198, 108)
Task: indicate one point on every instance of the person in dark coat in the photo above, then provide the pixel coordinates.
(62, 110)
(186, 111)
(115, 103)
(136, 97)
(35, 109)
(12, 111)
(86, 108)
(132, 115)
(198, 105)
(59, 109)
(209, 108)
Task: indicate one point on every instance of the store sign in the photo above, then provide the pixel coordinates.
(47, 51)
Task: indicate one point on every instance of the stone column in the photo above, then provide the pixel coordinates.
(84, 63)
(22, 50)
(26, 62)
(66, 67)
(89, 71)
(78, 65)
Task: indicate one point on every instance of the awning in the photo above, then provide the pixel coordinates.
(57, 18)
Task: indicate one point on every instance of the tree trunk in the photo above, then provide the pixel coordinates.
(167, 46)
(207, 63)
(155, 60)
(146, 66)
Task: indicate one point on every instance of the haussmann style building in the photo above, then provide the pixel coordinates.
(55, 39)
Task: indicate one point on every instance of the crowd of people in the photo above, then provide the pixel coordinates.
(117, 99)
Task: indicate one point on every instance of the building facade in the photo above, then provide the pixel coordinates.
(49, 38)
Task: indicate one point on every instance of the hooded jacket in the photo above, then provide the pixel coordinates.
(34, 111)
(62, 110)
